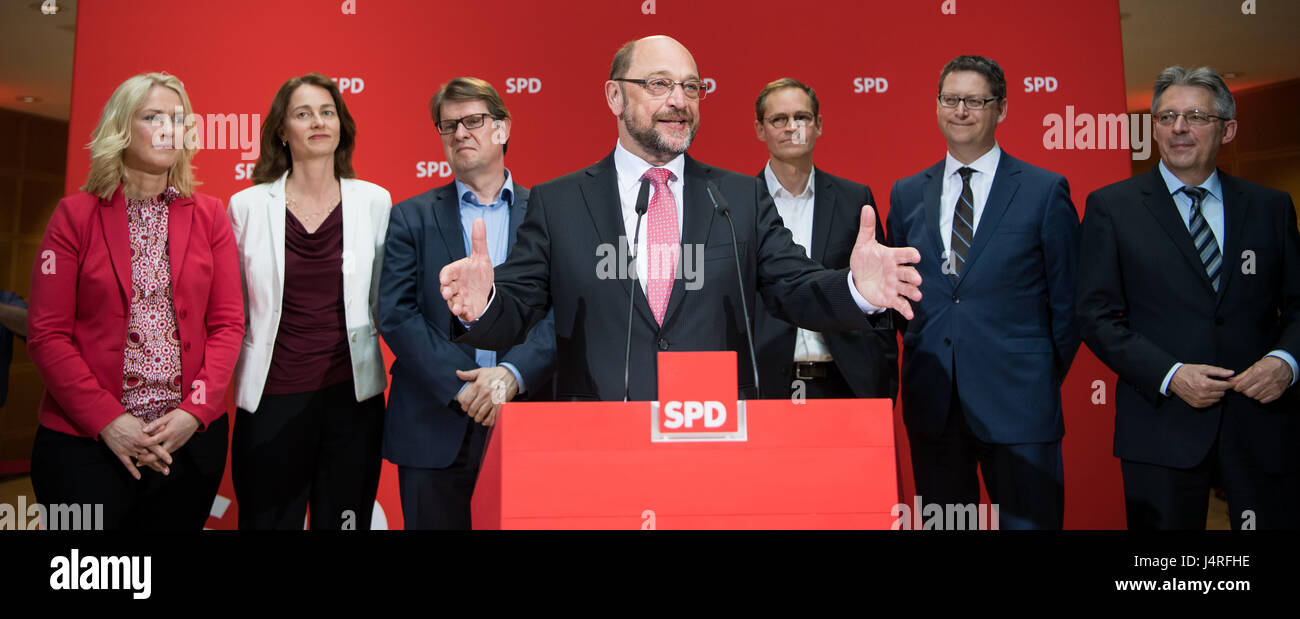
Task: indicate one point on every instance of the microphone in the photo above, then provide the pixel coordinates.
(642, 203)
(720, 206)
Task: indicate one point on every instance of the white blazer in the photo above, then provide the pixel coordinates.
(257, 217)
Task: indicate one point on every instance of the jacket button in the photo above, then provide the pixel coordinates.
(947, 342)
(182, 314)
(354, 337)
(187, 346)
(1218, 320)
(663, 344)
(956, 299)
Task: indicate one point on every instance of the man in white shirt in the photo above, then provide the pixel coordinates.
(1191, 293)
(820, 210)
(653, 93)
(995, 332)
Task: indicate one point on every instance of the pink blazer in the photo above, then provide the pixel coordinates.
(81, 287)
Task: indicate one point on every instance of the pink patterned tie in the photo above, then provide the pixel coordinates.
(663, 246)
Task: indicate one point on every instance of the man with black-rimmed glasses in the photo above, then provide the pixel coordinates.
(995, 334)
(445, 396)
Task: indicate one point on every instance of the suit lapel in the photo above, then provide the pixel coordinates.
(1160, 203)
(446, 211)
(600, 193)
(516, 214)
(112, 214)
(179, 216)
(1001, 193)
(930, 201)
(697, 215)
(824, 206)
(354, 224)
(1236, 203)
(275, 212)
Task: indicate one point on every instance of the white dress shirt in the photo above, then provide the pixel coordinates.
(981, 181)
(797, 213)
(1212, 212)
(629, 169)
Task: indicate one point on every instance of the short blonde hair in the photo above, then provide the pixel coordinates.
(112, 136)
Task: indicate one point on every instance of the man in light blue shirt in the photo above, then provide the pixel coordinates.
(446, 396)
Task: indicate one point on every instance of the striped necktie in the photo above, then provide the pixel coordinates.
(963, 223)
(1202, 237)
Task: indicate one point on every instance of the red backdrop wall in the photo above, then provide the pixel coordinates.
(234, 54)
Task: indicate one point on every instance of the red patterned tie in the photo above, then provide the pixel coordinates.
(663, 248)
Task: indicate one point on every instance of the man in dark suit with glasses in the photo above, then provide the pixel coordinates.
(1190, 291)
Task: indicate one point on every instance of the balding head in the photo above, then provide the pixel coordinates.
(657, 50)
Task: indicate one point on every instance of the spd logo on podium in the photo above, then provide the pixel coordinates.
(697, 392)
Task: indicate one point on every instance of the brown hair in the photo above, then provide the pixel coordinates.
(470, 89)
(622, 60)
(785, 82)
(274, 159)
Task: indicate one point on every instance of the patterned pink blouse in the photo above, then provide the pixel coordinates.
(151, 371)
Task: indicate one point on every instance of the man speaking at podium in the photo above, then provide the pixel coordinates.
(576, 221)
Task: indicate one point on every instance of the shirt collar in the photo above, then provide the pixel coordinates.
(986, 164)
(1172, 183)
(630, 168)
(507, 194)
(775, 184)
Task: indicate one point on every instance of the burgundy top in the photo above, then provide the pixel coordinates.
(311, 347)
(151, 363)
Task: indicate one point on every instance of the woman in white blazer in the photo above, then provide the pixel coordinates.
(310, 379)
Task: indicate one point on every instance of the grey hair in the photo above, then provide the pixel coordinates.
(1202, 77)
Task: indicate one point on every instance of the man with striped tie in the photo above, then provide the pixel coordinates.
(994, 333)
(1190, 290)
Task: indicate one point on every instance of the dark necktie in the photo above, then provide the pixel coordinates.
(963, 223)
(1202, 237)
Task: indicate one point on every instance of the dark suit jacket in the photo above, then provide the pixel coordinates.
(424, 426)
(868, 360)
(555, 265)
(1006, 327)
(1145, 303)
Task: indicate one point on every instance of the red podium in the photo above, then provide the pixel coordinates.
(696, 459)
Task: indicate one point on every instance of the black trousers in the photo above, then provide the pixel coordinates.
(440, 498)
(73, 470)
(1025, 480)
(1161, 497)
(320, 448)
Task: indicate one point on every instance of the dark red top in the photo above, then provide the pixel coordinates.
(311, 347)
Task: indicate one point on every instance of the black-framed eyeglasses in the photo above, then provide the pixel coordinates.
(781, 120)
(972, 103)
(1197, 118)
(447, 126)
(660, 86)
